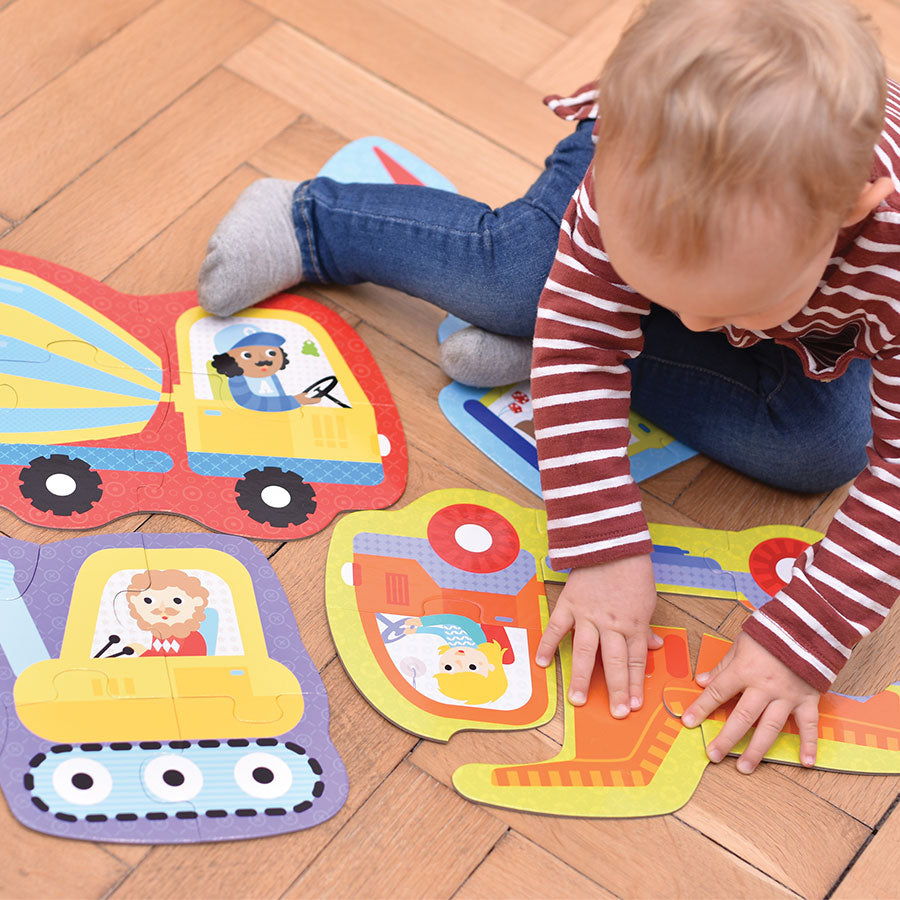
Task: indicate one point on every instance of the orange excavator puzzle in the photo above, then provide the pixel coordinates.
(436, 611)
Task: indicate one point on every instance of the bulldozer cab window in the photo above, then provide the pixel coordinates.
(166, 613)
(274, 357)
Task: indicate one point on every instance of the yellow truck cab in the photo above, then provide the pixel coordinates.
(101, 689)
(223, 435)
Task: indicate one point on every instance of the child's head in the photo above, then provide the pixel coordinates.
(473, 674)
(735, 139)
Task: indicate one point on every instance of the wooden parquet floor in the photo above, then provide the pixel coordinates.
(127, 129)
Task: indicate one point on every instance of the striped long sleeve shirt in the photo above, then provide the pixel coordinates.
(589, 326)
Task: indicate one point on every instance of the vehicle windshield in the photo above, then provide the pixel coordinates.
(274, 355)
(166, 612)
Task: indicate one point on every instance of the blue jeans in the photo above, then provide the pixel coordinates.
(752, 409)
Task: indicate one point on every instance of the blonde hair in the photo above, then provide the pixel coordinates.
(711, 107)
(471, 686)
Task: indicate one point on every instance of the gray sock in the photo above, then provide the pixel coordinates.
(253, 252)
(484, 359)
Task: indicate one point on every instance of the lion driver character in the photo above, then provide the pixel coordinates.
(171, 610)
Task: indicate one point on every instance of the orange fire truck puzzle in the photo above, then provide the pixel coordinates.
(436, 611)
(265, 424)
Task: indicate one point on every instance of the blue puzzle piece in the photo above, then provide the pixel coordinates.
(375, 160)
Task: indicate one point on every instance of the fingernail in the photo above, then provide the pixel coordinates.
(635, 702)
(744, 767)
(577, 698)
(714, 755)
(542, 661)
(702, 677)
(689, 720)
(620, 711)
(808, 759)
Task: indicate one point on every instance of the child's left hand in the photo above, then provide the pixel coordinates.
(770, 692)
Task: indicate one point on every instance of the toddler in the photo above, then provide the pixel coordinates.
(726, 220)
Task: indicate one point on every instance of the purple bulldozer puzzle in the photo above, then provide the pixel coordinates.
(154, 689)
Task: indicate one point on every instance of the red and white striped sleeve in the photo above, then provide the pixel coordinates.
(588, 325)
(842, 588)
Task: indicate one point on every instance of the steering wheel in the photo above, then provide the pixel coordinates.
(323, 387)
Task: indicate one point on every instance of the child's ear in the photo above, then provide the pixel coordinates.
(870, 197)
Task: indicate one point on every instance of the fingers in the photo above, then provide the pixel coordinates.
(654, 641)
(637, 668)
(614, 649)
(584, 657)
(560, 624)
(703, 678)
(807, 718)
(769, 727)
(720, 686)
(743, 717)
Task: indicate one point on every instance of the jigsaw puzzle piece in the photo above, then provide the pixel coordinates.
(91, 433)
(646, 764)
(21, 642)
(856, 734)
(653, 450)
(748, 566)
(110, 765)
(437, 609)
(302, 428)
(97, 690)
(375, 160)
(500, 423)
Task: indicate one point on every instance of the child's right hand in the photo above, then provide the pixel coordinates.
(609, 606)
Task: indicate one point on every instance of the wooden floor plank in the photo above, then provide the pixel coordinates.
(518, 867)
(77, 118)
(651, 857)
(874, 874)
(414, 837)
(41, 38)
(495, 31)
(720, 497)
(347, 98)
(170, 261)
(439, 73)
(37, 866)
(299, 151)
(886, 16)
(567, 15)
(581, 58)
(149, 180)
(745, 813)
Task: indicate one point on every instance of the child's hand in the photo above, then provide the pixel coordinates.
(609, 606)
(770, 692)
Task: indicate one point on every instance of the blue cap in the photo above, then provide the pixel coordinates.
(243, 335)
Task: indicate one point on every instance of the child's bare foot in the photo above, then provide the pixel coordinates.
(484, 359)
(253, 252)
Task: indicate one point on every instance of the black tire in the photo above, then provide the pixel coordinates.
(34, 480)
(249, 490)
